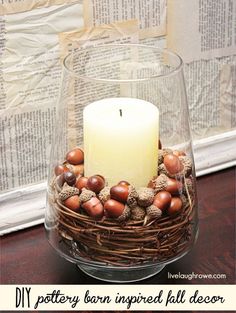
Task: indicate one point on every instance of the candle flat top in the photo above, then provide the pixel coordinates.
(117, 111)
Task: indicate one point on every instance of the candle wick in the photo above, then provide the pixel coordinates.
(120, 112)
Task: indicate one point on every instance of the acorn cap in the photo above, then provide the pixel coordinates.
(138, 213)
(162, 153)
(132, 197)
(125, 215)
(104, 194)
(162, 170)
(86, 195)
(187, 162)
(160, 183)
(145, 196)
(153, 212)
(68, 192)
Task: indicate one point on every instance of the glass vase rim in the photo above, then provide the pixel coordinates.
(173, 71)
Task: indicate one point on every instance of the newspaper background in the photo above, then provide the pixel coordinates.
(16, 6)
(206, 40)
(208, 32)
(150, 13)
(30, 75)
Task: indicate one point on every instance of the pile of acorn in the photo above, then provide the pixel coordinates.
(166, 194)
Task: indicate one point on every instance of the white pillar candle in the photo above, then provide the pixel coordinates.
(121, 140)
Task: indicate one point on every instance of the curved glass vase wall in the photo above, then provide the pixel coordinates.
(121, 190)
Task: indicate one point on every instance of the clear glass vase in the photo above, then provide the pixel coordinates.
(121, 198)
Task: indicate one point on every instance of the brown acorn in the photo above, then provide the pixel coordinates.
(119, 193)
(114, 209)
(72, 203)
(175, 206)
(70, 178)
(81, 182)
(78, 170)
(162, 200)
(162, 153)
(59, 169)
(173, 164)
(124, 183)
(173, 186)
(75, 156)
(96, 183)
(93, 207)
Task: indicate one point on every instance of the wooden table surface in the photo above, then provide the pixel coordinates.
(27, 257)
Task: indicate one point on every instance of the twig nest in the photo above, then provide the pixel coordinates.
(104, 194)
(188, 186)
(68, 192)
(93, 207)
(152, 213)
(185, 202)
(162, 153)
(187, 163)
(159, 183)
(132, 197)
(138, 213)
(145, 196)
(86, 195)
